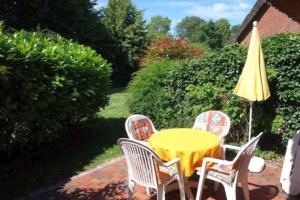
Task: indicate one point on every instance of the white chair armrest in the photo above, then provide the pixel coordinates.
(217, 161)
(171, 162)
(227, 146)
(169, 165)
(140, 141)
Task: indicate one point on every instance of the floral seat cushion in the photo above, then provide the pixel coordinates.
(141, 129)
(212, 121)
(224, 173)
(165, 173)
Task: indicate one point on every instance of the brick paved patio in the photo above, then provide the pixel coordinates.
(110, 182)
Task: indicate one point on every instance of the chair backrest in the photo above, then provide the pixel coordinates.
(142, 162)
(213, 121)
(139, 127)
(242, 159)
(290, 173)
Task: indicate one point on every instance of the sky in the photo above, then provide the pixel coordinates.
(233, 10)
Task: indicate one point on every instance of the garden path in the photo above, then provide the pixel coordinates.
(109, 182)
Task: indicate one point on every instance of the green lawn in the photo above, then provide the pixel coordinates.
(90, 145)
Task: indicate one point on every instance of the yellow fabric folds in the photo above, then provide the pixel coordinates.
(189, 145)
(253, 84)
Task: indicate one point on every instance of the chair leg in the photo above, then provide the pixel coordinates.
(200, 186)
(130, 189)
(244, 183)
(161, 192)
(230, 192)
(148, 191)
(181, 188)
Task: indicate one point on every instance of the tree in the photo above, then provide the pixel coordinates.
(74, 19)
(211, 35)
(223, 27)
(159, 27)
(189, 26)
(127, 39)
(215, 34)
(234, 29)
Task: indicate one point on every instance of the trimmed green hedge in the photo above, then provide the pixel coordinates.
(282, 55)
(149, 91)
(193, 86)
(47, 83)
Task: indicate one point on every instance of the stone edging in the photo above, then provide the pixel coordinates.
(61, 183)
(105, 164)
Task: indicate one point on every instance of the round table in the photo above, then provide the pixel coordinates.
(189, 145)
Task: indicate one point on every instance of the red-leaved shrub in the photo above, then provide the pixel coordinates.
(168, 48)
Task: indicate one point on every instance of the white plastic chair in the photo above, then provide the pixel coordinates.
(213, 121)
(147, 169)
(229, 173)
(139, 127)
(290, 173)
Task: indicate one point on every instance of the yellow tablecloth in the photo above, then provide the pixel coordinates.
(189, 145)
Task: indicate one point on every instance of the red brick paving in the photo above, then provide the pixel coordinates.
(110, 183)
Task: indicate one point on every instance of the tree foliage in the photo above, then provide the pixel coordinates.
(159, 27)
(215, 34)
(74, 19)
(189, 26)
(127, 35)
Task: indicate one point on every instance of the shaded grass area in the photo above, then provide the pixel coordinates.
(91, 144)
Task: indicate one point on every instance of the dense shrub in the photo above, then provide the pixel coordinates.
(168, 48)
(148, 88)
(282, 54)
(189, 87)
(47, 83)
(196, 85)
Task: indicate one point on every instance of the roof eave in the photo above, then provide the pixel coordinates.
(248, 20)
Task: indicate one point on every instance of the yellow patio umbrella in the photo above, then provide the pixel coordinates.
(253, 83)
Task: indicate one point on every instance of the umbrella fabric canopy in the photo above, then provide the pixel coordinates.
(253, 84)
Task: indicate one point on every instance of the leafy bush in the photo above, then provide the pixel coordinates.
(49, 83)
(189, 87)
(282, 54)
(168, 48)
(147, 86)
(267, 155)
(196, 85)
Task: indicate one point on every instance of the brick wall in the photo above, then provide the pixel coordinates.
(274, 21)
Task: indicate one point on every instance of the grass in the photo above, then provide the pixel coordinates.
(91, 144)
(117, 107)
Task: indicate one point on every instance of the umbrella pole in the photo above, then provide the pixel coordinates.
(250, 120)
(256, 164)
